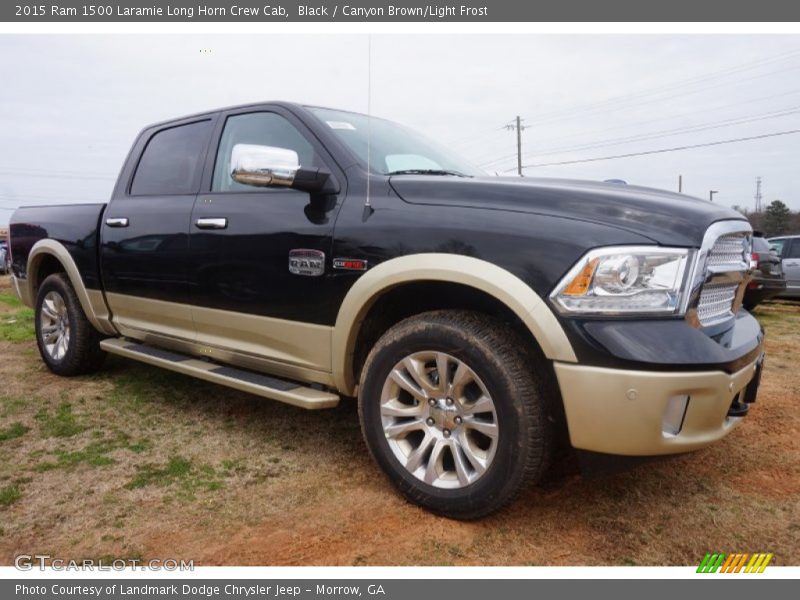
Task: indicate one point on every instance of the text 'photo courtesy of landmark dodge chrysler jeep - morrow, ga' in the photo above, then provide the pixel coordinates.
(478, 320)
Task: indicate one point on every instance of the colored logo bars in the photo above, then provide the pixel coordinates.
(734, 563)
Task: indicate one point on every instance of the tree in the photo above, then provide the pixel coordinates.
(776, 218)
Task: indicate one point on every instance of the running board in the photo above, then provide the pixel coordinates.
(265, 386)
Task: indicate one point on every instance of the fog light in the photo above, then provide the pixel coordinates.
(672, 421)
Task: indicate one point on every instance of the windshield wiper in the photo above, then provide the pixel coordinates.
(427, 172)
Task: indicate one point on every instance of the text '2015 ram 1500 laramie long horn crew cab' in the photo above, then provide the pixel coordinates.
(477, 319)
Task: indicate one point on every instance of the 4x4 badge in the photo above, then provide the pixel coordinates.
(350, 264)
(303, 261)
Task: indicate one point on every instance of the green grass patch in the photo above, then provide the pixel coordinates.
(11, 300)
(140, 388)
(61, 423)
(10, 405)
(13, 431)
(18, 326)
(96, 454)
(178, 471)
(9, 495)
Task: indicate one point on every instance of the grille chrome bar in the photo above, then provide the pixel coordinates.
(720, 273)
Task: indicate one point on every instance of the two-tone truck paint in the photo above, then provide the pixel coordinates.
(474, 317)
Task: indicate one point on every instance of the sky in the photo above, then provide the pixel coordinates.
(71, 105)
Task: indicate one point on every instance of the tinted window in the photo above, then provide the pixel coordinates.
(392, 147)
(263, 129)
(760, 244)
(172, 161)
(778, 245)
(794, 250)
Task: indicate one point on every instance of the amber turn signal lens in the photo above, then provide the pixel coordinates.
(583, 280)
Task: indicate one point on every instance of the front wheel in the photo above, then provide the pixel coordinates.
(68, 343)
(451, 411)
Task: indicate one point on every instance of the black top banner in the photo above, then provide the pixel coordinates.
(401, 10)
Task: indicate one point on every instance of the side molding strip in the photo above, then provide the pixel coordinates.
(465, 270)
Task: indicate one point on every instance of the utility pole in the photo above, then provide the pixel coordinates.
(758, 194)
(680, 184)
(711, 194)
(517, 124)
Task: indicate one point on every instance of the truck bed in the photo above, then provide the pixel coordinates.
(76, 226)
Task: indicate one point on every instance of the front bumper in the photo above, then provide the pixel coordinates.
(633, 412)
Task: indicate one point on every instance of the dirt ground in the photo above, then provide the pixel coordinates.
(136, 462)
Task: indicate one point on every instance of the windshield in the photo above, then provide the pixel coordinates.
(395, 149)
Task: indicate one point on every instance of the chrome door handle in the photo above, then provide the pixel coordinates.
(117, 222)
(212, 223)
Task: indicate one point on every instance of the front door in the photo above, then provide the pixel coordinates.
(791, 265)
(245, 297)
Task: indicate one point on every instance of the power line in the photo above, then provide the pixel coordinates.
(638, 124)
(660, 151)
(61, 199)
(664, 133)
(53, 174)
(671, 87)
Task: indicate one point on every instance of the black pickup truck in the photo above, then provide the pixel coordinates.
(306, 254)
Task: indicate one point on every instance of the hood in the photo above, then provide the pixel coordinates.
(667, 218)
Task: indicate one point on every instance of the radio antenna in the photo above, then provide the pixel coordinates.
(368, 210)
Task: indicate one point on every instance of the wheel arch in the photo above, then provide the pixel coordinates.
(42, 259)
(486, 278)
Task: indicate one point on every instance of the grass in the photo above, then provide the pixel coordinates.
(177, 470)
(61, 423)
(134, 460)
(17, 326)
(10, 405)
(95, 454)
(13, 431)
(9, 495)
(10, 300)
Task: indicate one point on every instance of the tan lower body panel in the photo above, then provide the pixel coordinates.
(622, 412)
(145, 314)
(294, 394)
(291, 349)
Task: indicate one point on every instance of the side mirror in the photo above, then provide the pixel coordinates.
(268, 166)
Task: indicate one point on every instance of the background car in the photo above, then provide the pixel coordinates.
(768, 279)
(788, 248)
(4, 262)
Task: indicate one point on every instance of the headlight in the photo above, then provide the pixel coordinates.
(625, 280)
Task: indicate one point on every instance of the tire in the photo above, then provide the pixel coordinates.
(477, 469)
(68, 343)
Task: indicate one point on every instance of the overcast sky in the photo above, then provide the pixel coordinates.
(71, 106)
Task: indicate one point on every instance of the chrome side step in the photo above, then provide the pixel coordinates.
(265, 386)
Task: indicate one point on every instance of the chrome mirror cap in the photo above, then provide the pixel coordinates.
(263, 166)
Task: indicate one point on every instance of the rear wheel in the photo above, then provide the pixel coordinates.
(68, 343)
(451, 411)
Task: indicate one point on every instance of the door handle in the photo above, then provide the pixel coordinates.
(212, 223)
(117, 222)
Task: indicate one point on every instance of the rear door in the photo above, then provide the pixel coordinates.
(791, 265)
(145, 231)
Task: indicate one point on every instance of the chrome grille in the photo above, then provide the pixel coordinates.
(716, 301)
(729, 255)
